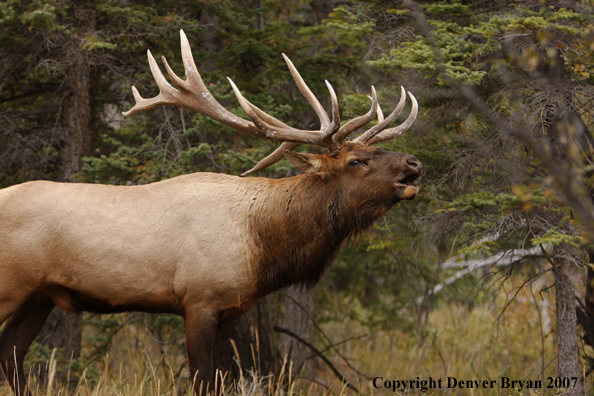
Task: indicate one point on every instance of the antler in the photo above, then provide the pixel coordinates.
(378, 133)
(192, 94)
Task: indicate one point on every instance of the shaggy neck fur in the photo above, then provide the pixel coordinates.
(299, 224)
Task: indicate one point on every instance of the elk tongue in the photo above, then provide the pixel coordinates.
(404, 191)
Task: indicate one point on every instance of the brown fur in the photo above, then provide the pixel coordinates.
(339, 203)
(204, 246)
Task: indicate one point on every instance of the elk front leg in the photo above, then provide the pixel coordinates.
(201, 333)
(18, 334)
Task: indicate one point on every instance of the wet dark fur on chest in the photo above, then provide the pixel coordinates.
(296, 242)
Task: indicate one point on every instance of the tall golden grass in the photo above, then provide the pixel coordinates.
(464, 343)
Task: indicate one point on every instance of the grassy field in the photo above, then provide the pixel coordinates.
(468, 345)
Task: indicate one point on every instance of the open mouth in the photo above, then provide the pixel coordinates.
(407, 180)
(404, 190)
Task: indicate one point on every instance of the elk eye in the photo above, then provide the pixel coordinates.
(355, 163)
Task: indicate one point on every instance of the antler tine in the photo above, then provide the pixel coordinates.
(193, 76)
(192, 93)
(391, 133)
(279, 152)
(273, 121)
(166, 91)
(335, 125)
(380, 126)
(309, 96)
(188, 60)
(357, 122)
(245, 105)
(380, 113)
(272, 158)
(276, 132)
(177, 80)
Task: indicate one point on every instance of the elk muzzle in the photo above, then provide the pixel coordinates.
(414, 169)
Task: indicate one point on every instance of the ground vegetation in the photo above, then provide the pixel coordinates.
(504, 223)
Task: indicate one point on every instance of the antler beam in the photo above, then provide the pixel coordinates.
(192, 94)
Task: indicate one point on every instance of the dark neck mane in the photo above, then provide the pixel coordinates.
(298, 226)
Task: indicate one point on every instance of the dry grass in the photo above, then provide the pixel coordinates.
(468, 344)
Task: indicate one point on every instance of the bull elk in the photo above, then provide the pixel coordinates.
(204, 246)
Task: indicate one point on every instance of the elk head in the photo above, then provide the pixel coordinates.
(368, 169)
(354, 159)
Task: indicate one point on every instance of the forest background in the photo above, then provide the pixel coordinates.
(486, 274)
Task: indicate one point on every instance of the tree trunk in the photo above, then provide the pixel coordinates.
(561, 119)
(567, 343)
(585, 311)
(258, 17)
(77, 108)
(208, 37)
(320, 10)
(254, 336)
(62, 329)
(299, 313)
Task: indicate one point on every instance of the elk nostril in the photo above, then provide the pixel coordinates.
(415, 163)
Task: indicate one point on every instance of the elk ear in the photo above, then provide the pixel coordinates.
(305, 162)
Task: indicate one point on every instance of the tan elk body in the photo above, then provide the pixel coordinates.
(205, 246)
